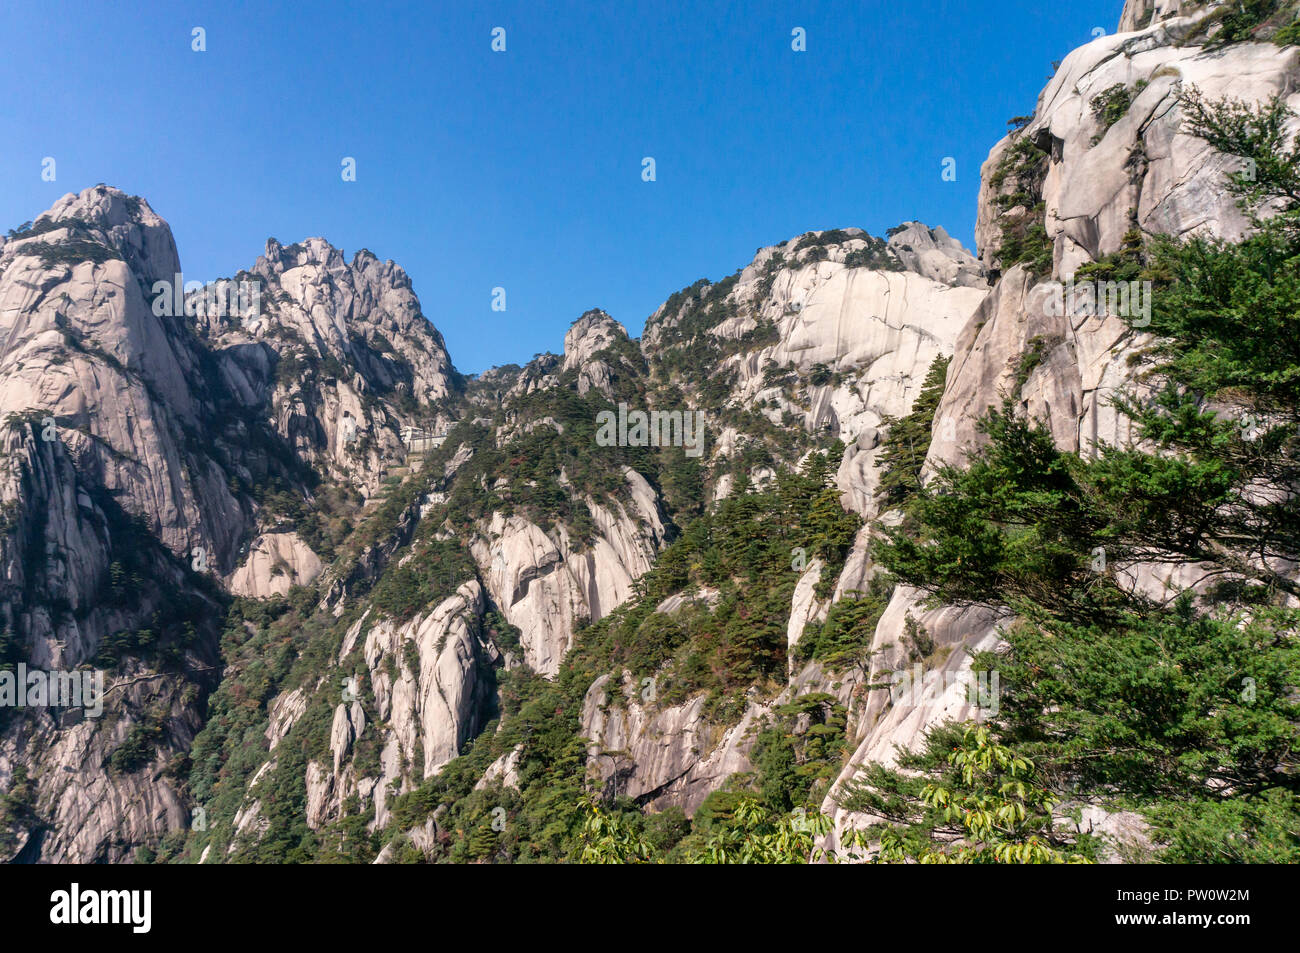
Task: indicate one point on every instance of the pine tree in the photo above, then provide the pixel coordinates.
(907, 441)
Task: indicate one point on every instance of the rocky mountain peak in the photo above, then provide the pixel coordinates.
(125, 225)
(934, 254)
(590, 334)
(154, 464)
(310, 251)
(361, 318)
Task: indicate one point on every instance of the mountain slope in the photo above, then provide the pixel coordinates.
(322, 645)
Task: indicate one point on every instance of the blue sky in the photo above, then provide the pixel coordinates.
(522, 169)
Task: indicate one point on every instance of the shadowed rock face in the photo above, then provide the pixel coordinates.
(135, 428)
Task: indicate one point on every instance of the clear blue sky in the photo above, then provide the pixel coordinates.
(522, 169)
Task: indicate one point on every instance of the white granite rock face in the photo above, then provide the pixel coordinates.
(83, 346)
(276, 562)
(338, 348)
(428, 700)
(877, 326)
(666, 756)
(678, 755)
(333, 350)
(545, 583)
(90, 810)
(504, 770)
(1173, 183)
(109, 416)
(591, 334)
(804, 607)
(1140, 14)
(1145, 169)
(127, 399)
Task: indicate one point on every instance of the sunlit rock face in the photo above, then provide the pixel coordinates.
(126, 404)
(1144, 171)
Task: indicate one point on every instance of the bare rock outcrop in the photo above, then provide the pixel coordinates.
(275, 563)
(1097, 183)
(856, 319)
(332, 353)
(546, 582)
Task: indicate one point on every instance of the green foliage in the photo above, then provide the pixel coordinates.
(541, 821)
(610, 838)
(1112, 104)
(875, 255)
(986, 805)
(1018, 178)
(1021, 161)
(1126, 264)
(1024, 240)
(685, 347)
(1235, 22)
(1256, 133)
(323, 522)
(747, 551)
(907, 441)
(17, 806)
(843, 639)
(1183, 708)
(139, 746)
(799, 752)
(532, 462)
(831, 236)
(753, 834)
(1036, 348)
(142, 576)
(745, 832)
(268, 646)
(1288, 35)
(1250, 830)
(431, 574)
(71, 252)
(744, 550)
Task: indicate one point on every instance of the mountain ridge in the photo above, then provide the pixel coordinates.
(329, 645)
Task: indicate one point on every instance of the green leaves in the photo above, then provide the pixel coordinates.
(988, 808)
(907, 441)
(1181, 705)
(754, 835)
(1229, 318)
(1256, 133)
(1014, 525)
(609, 838)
